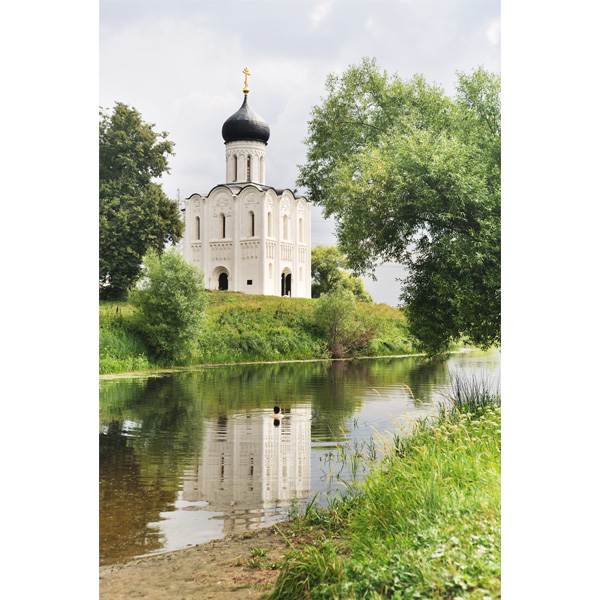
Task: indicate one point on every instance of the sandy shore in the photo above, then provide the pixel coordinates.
(216, 570)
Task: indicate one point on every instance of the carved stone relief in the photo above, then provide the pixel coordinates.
(251, 199)
(286, 208)
(222, 205)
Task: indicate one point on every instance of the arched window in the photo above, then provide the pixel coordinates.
(222, 225)
(235, 173)
(271, 270)
(251, 224)
(197, 228)
(269, 228)
(300, 231)
(248, 164)
(285, 227)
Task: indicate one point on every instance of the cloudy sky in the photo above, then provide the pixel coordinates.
(180, 64)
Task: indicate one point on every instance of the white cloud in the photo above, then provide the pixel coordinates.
(320, 14)
(372, 27)
(493, 32)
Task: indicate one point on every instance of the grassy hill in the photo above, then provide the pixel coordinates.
(243, 328)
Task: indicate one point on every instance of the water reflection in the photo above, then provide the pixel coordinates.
(252, 461)
(187, 457)
(126, 503)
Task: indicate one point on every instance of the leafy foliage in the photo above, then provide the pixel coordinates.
(326, 264)
(135, 214)
(335, 315)
(413, 176)
(327, 270)
(170, 300)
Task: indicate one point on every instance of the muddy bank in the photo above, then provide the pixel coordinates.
(243, 565)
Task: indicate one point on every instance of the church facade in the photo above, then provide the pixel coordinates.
(245, 235)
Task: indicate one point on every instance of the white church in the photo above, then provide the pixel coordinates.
(244, 235)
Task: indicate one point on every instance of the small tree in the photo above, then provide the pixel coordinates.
(327, 269)
(170, 300)
(355, 284)
(335, 316)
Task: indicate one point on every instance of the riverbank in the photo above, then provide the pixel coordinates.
(425, 523)
(241, 328)
(243, 565)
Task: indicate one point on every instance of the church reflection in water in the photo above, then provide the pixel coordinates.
(252, 465)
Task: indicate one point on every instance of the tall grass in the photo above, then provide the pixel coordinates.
(425, 522)
(120, 348)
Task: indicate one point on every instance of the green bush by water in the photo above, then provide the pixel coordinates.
(170, 302)
(424, 524)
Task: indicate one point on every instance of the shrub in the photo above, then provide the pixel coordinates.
(335, 316)
(170, 302)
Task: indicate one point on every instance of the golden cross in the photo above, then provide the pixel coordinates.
(246, 73)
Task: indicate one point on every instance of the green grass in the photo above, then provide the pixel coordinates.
(425, 523)
(121, 349)
(243, 328)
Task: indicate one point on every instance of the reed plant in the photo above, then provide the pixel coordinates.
(424, 523)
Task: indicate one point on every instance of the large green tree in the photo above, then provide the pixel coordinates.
(327, 269)
(412, 175)
(135, 213)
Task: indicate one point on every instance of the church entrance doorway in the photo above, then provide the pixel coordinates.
(223, 282)
(286, 284)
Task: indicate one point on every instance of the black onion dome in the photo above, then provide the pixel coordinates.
(245, 124)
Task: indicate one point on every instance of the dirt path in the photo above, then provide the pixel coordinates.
(218, 570)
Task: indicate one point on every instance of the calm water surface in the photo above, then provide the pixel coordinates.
(188, 457)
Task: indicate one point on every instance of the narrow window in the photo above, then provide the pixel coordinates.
(269, 233)
(197, 228)
(285, 227)
(223, 225)
(300, 233)
(271, 270)
(235, 173)
(248, 169)
(251, 224)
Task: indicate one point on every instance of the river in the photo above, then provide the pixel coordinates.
(188, 457)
